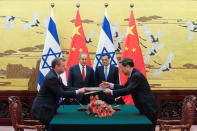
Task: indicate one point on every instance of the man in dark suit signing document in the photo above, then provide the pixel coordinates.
(136, 85)
(47, 100)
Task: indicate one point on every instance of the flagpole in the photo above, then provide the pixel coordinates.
(52, 4)
(106, 5)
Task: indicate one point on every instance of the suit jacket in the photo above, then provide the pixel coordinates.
(137, 85)
(46, 102)
(113, 77)
(75, 80)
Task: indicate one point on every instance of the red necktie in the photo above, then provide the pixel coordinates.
(60, 80)
(60, 99)
(83, 73)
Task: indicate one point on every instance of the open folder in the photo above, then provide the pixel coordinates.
(93, 90)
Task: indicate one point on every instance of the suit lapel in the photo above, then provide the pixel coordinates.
(102, 73)
(87, 72)
(133, 71)
(54, 73)
(129, 78)
(110, 71)
(79, 71)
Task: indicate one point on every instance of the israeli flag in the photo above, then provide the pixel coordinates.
(51, 50)
(105, 45)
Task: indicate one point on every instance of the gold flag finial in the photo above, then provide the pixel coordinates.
(106, 5)
(77, 5)
(131, 5)
(52, 4)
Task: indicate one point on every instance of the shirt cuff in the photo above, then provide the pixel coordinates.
(112, 92)
(77, 92)
(111, 86)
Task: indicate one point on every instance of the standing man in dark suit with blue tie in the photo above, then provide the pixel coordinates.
(107, 73)
(136, 85)
(81, 75)
(47, 100)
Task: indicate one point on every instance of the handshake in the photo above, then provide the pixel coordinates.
(104, 86)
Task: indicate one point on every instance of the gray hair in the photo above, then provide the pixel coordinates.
(82, 54)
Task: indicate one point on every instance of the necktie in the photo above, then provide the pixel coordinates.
(106, 73)
(83, 73)
(60, 80)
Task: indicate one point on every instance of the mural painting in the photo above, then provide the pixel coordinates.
(167, 32)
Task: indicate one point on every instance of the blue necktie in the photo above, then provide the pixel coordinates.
(106, 73)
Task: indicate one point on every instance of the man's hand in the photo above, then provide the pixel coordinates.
(104, 84)
(82, 91)
(71, 100)
(108, 91)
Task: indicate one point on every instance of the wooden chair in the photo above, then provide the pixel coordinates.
(188, 110)
(18, 123)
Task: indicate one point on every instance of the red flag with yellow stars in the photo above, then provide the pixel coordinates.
(78, 45)
(132, 50)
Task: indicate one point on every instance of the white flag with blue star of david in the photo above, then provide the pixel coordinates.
(51, 50)
(105, 45)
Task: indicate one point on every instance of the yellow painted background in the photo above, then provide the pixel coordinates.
(173, 12)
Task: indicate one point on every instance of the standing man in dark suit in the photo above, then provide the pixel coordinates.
(107, 73)
(47, 100)
(136, 85)
(81, 75)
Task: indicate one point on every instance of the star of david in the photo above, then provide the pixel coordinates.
(104, 51)
(50, 53)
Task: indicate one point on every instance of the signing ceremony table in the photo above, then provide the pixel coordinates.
(128, 119)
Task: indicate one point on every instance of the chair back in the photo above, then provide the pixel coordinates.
(15, 109)
(188, 110)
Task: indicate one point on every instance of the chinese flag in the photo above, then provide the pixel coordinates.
(132, 50)
(78, 45)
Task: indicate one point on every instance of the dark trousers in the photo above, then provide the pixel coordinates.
(153, 118)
